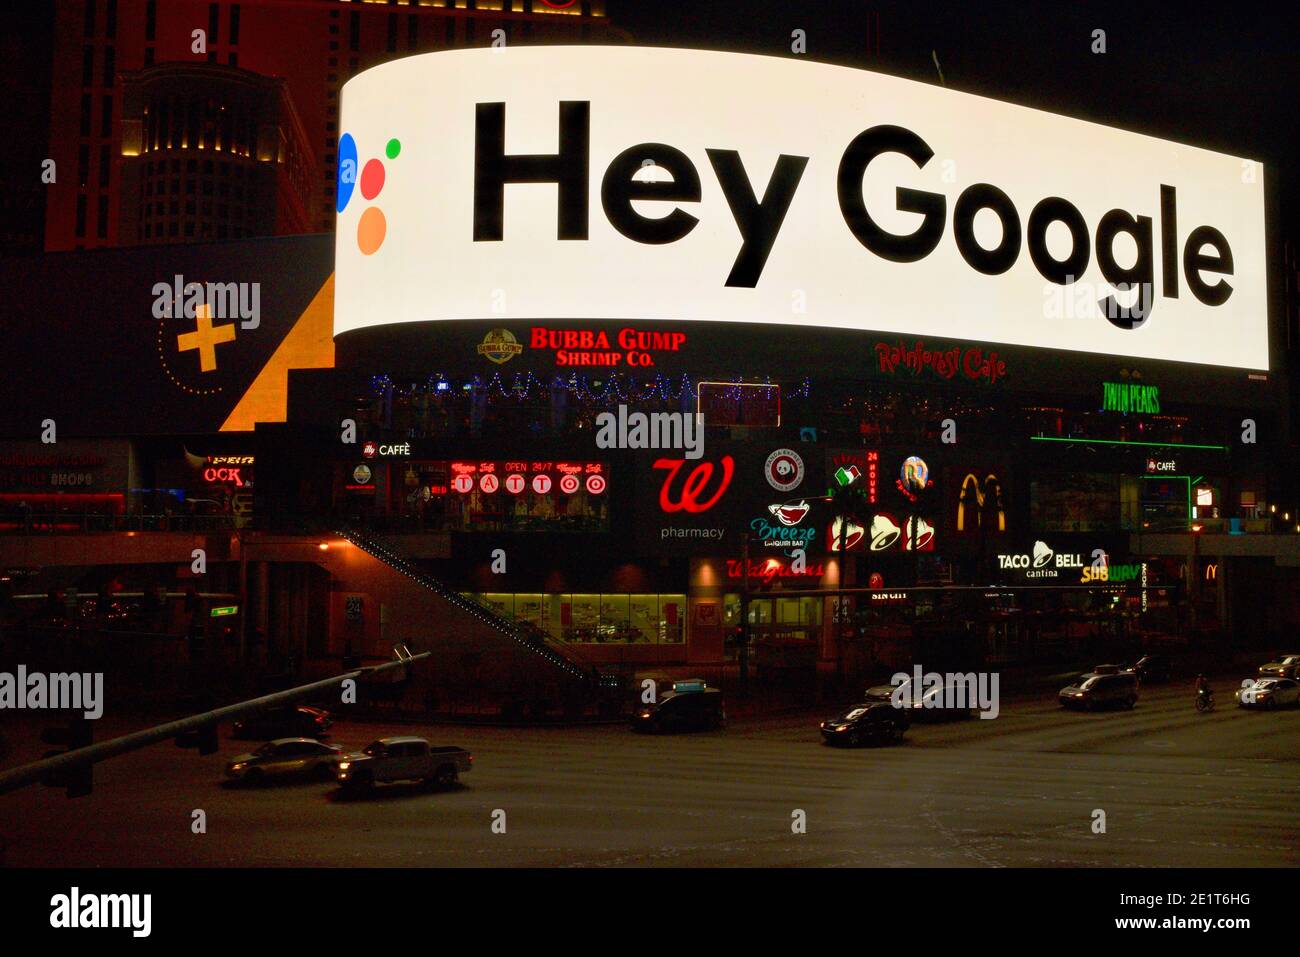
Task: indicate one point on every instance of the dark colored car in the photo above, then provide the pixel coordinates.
(949, 701)
(1094, 691)
(1152, 668)
(682, 711)
(300, 722)
(872, 722)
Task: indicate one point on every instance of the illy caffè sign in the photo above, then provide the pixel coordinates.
(633, 184)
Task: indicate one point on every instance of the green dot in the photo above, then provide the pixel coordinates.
(393, 148)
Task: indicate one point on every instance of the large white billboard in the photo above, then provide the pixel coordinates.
(630, 183)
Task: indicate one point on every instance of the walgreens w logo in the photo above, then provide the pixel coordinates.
(688, 500)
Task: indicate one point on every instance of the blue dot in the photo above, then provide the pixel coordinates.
(347, 171)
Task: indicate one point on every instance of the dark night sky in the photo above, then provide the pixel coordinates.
(1222, 76)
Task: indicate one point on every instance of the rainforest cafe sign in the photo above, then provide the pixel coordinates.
(973, 363)
(589, 184)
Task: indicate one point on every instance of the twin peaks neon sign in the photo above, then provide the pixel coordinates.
(1130, 397)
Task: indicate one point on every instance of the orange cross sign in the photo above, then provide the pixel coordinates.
(205, 338)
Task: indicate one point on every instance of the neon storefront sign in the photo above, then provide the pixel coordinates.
(977, 498)
(867, 463)
(593, 347)
(690, 497)
(519, 476)
(973, 363)
(770, 569)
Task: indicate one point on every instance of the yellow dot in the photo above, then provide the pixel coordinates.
(370, 230)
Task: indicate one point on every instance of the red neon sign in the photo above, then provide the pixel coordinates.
(769, 569)
(223, 476)
(696, 480)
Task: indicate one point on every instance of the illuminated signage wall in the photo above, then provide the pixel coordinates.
(783, 191)
(503, 495)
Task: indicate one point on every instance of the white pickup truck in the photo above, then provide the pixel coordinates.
(403, 759)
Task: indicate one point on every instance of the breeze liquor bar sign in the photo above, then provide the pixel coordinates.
(633, 184)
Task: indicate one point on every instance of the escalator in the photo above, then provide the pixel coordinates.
(565, 659)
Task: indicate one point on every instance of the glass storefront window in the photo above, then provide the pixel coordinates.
(672, 619)
(784, 617)
(585, 619)
(614, 619)
(597, 619)
(643, 618)
(532, 608)
(501, 604)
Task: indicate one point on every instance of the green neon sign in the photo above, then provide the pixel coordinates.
(225, 611)
(1130, 397)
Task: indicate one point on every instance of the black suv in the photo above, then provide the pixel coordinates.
(1152, 668)
(871, 722)
(682, 711)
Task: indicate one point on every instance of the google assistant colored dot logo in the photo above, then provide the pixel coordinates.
(372, 226)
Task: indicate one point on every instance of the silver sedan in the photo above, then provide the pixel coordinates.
(1268, 693)
(286, 757)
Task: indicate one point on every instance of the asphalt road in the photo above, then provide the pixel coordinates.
(1177, 789)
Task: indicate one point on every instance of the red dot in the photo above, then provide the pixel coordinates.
(372, 179)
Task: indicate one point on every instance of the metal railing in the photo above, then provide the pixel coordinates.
(530, 637)
(79, 523)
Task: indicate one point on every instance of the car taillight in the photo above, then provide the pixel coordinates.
(471, 759)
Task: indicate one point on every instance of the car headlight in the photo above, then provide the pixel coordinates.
(344, 765)
(239, 767)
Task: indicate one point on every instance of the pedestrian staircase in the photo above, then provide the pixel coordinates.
(563, 657)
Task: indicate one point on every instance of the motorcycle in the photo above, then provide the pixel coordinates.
(1204, 701)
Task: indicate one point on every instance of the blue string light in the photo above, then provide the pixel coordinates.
(620, 387)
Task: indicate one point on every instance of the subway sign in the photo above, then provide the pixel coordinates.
(628, 184)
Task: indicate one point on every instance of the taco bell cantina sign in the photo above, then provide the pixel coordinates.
(1041, 562)
(642, 184)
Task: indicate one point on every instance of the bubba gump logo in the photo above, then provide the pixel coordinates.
(500, 345)
(635, 348)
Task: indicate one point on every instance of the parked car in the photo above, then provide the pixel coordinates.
(928, 703)
(286, 757)
(1283, 666)
(1106, 670)
(1269, 693)
(1152, 668)
(1094, 691)
(875, 722)
(694, 710)
(295, 722)
(403, 758)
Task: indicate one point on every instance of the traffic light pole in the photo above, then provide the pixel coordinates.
(743, 652)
